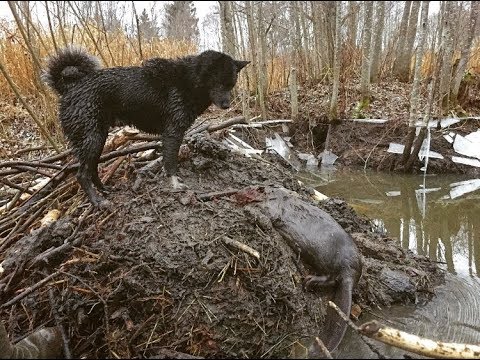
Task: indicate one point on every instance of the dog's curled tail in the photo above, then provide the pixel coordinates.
(67, 67)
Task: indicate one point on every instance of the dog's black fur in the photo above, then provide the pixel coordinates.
(163, 96)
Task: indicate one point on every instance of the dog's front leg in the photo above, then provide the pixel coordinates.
(171, 146)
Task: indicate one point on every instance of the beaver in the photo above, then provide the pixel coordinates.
(324, 245)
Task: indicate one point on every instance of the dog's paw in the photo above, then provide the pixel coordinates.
(177, 184)
(106, 189)
(100, 203)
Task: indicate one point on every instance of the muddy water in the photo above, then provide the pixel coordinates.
(442, 222)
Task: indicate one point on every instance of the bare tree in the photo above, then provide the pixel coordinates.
(447, 46)
(418, 62)
(352, 17)
(333, 114)
(402, 69)
(226, 26)
(466, 50)
(377, 43)
(262, 62)
(366, 59)
(409, 156)
(402, 38)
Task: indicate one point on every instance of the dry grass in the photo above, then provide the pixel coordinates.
(115, 49)
(118, 49)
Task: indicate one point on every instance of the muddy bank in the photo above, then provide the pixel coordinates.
(155, 273)
(365, 145)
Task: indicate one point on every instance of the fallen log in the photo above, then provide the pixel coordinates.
(413, 343)
(417, 344)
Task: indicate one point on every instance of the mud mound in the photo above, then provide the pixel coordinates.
(156, 273)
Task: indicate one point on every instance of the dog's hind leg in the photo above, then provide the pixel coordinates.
(98, 183)
(171, 146)
(87, 175)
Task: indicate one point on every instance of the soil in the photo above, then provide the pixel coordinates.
(154, 272)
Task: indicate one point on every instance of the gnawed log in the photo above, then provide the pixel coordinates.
(417, 344)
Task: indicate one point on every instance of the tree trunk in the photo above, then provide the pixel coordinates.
(297, 34)
(405, 56)
(226, 26)
(252, 38)
(317, 36)
(329, 7)
(367, 36)
(333, 115)
(466, 49)
(418, 63)
(446, 70)
(402, 38)
(377, 44)
(293, 93)
(352, 25)
(409, 157)
(262, 64)
(306, 40)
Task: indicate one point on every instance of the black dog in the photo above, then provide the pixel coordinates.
(163, 96)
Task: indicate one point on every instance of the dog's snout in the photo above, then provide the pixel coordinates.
(225, 104)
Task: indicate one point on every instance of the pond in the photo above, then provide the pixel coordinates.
(433, 215)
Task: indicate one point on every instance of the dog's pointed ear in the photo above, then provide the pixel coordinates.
(241, 64)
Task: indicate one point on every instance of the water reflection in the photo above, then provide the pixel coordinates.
(428, 215)
(436, 216)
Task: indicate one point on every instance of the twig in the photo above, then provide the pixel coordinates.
(32, 169)
(216, 127)
(357, 329)
(113, 168)
(15, 186)
(105, 306)
(65, 246)
(35, 148)
(322, 347)
(30, 290)
(215, 194)
(29, 163)
(66, 348)
(241, 246)
(58, 156)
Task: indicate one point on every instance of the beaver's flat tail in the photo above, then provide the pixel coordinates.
(335, 326)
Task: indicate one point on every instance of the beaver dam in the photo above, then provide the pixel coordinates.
(161, 272)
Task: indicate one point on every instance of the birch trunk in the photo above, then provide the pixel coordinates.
(377, 44)
(293, 93)
(466, 49)
(262, 64)
(446, 69)
(226, 26)
(418, 63)
(402, 71)
(336, 63)
(367, 36)
(352, 25)
(402, 37)
(409, 156)
(316, 20)
(252, 38)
